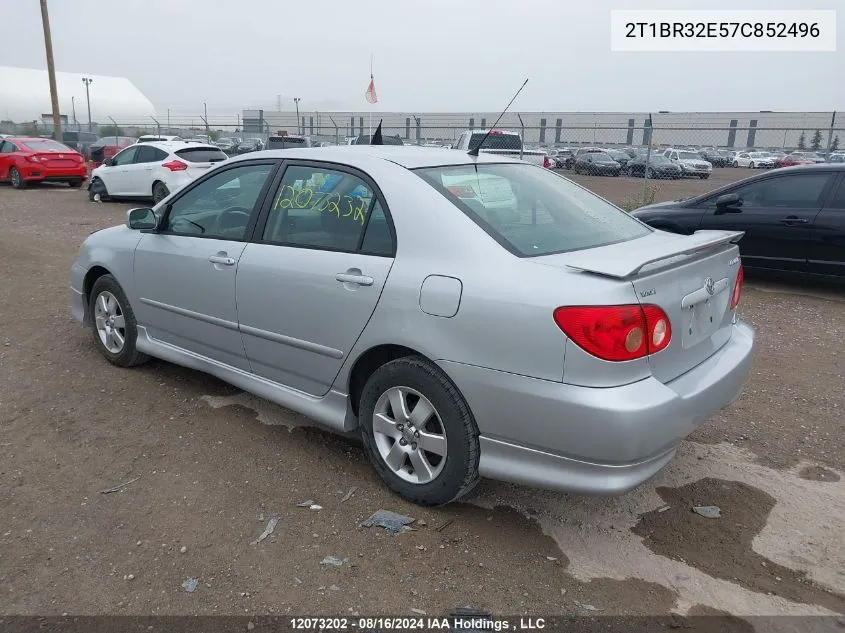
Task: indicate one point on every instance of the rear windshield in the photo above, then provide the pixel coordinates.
(496, 141)
(45, 145)
(114, 140)
(281, 142)
(532, 211)
(201, 154)
(385, 140)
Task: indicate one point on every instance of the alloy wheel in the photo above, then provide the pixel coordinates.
(409, 435)
(111, 325)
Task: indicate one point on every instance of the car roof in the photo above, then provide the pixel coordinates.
(408, 156)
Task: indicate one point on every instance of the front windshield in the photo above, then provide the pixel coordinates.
(532, 211)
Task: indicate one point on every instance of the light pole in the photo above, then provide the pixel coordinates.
(296, 100)
(88, 81)
(51, 72)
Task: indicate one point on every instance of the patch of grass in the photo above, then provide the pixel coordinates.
(647, 197)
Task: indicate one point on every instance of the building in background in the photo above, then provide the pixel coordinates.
(25, 97)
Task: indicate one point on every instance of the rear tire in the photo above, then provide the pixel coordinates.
(75, 184)
(704, 176)
(16, 179)
(113, 323)
(160, 191)
(428, 478)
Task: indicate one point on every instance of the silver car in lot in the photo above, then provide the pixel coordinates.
(468, 316)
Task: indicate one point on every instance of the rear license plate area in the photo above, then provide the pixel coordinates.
(700, 321)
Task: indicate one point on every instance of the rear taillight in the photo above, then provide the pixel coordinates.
(33, 158)
(616, 333)
(462, 191)
(175, 165)
(546, 162)
(740, 278)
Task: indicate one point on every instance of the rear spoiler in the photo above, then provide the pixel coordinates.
(626, 261)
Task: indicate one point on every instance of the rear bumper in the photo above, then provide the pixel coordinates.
(39, 173)
(592, 440)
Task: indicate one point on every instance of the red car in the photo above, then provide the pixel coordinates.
(24, 160)
(791, 161)
(107, 146)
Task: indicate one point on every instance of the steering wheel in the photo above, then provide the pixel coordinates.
(225, 219)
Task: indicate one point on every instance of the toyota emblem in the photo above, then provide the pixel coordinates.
(709, 285)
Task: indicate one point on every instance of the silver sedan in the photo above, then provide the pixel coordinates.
(468, 316)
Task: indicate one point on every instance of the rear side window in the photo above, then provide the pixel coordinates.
(149, 154)
(531, 211)
(201, 154)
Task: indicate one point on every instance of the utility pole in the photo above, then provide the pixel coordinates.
(205, 119)
(88, 81)
(73, 109)
(168, 120)
(296, 100)
(51, 72)
(279, 103)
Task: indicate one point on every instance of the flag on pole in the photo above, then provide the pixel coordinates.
(371, 91)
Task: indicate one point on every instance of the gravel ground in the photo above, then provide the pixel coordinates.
(210, 466)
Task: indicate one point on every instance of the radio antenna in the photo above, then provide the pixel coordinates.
(473, 151)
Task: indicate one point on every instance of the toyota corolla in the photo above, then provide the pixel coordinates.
(469, 316)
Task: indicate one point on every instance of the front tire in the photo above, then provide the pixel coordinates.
(736, 164)
(419, 433)
(751, 164)
(16, 179)
(704, 176)
(113, 322)
(98, 187)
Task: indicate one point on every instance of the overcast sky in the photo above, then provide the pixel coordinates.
(430, 55)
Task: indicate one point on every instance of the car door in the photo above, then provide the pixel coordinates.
(310, 281)
(139, 173)
(185, 271)
(7, 149)
(827, 236)
(116, 176)
(776, 213)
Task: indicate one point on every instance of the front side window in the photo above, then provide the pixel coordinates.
(319, 207)
(220, 206)
(125, 157)
(800, 191)
(531, 211)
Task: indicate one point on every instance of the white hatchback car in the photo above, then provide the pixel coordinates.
(152, 170)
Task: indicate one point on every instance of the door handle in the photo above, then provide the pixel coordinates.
(794, 220)
(222, 259)
(347, 278)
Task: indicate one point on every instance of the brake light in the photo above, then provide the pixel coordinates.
(34, 158)
(462, 191)
(546, 162)
(740, 278)
(616, 333)
(175, 165)
(495, 132)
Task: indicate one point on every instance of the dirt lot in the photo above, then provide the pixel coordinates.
(212, 465)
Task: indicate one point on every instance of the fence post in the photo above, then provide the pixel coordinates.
(647, 157)
(830, 131)
(336, 131)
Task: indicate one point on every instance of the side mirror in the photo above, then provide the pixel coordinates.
(109, 162)
(140, 219)
(728, 203)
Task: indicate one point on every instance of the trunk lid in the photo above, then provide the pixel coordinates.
(58, 160)
(690, 277)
